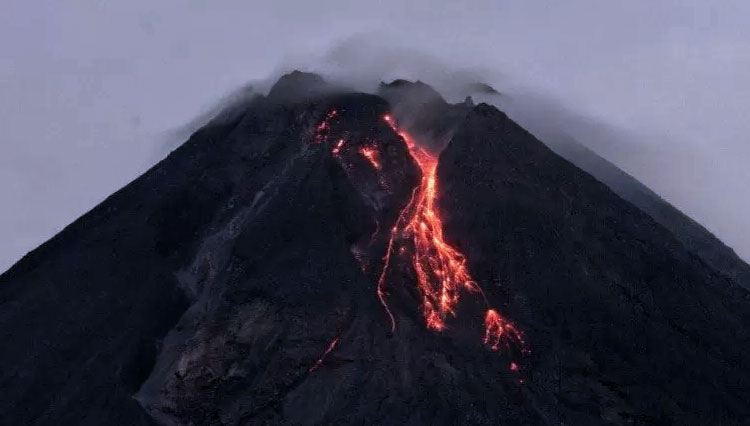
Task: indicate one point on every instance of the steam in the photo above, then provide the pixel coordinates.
(689, 173)
(658, 159)
(222, 110)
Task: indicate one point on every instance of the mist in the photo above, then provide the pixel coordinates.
(94, 94)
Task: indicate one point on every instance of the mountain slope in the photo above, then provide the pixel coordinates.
(630, 326)
(569, 135)
(689, 232)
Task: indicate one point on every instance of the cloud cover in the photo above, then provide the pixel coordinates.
(92, 91)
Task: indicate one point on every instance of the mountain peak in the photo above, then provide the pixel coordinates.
(297, 86)
(411, 91)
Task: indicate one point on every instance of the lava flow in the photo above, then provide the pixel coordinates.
(371, 154)
(320, 360)
(441, 270)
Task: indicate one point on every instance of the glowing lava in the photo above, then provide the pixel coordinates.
(328, 350)
(323, 129)
(371, 154)
(337, 147)
(496, 328)
(441, 270)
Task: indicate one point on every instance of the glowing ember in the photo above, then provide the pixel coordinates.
(319, 362)
(441, 270)
(496, 328)
(323, 129)
(371, 154)
(337, 147)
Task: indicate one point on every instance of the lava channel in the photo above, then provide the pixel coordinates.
(322, 358)
(441, 270)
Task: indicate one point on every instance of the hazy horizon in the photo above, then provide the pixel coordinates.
(95, 92)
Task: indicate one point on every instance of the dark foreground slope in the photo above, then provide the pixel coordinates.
(235, 283)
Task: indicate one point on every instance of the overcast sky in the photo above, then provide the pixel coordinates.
(91, 91)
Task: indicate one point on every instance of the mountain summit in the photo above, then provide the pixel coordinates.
(322, 256)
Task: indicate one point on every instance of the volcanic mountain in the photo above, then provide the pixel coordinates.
(323, 256)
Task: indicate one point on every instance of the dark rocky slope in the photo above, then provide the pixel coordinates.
(569, 135)
(235, 283)
(628, 325)
(690, 233)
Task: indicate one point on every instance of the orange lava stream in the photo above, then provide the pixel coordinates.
(441, 270)
(319, 362)
(371, 154)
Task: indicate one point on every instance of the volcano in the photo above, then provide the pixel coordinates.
(323, 256)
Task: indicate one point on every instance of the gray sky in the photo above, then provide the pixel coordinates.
(91, 91)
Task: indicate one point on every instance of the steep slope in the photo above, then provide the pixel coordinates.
(82, 317)
(627, 324)
(689, 232)
(306, 259)
(568, 135)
